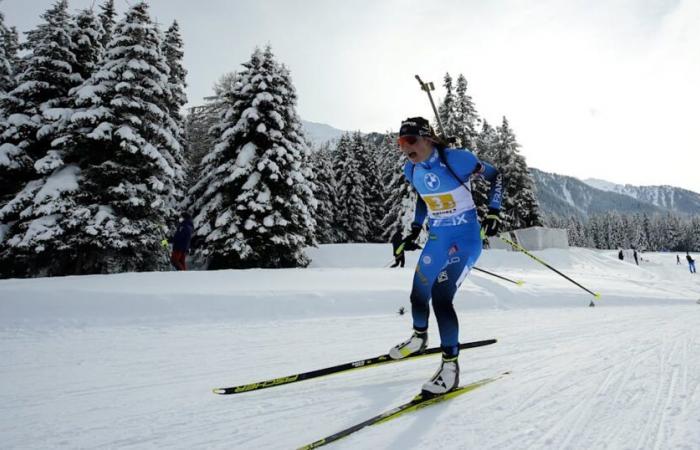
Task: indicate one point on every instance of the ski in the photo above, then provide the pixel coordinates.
(419, 402)
(361, 364)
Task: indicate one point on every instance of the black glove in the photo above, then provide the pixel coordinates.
(491, 224)
(409, 242)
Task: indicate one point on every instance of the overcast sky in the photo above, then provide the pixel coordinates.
(593, 88)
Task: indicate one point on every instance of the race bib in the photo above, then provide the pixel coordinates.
(448, 204)
(440, 204)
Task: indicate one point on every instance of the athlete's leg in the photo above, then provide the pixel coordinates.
(429, 264)
(461, 257)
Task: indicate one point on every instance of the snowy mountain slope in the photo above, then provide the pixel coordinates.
(129, 360)
(601, 184)
(669, 197)
(320, 133)
(566, 196)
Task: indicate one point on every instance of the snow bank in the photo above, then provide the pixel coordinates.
(343, 279)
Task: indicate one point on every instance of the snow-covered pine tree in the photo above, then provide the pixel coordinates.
(120, 139)
(327, 197)
(617, 232)
(606, 230)
(660, 232)
(389, 157)
(37, 241)
(646, 241)
(173, 51)
(467, 117)
(400, 197)
(87, 34)
(486, 142)
(485, 150)
(226, 84)
(591, 231)
(108, 19)
(555, 221)
(520, 208)
(674, 232)
(7, 66)
(389, 161)
(201, 121)
(565, 223)
(637, 238)
(33, 244)
(12, 47)
(365, 152)
(205, 127)
(336, 153)
(9, 41)
(690, 241)
(33, 110)
(254, 202)
(626, 230)
(198, 123)
(448, 114)
(353, 213)
(584, 239)
(302, 204)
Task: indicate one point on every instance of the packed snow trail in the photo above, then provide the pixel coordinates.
(128, 361)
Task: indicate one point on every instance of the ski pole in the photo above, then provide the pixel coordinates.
(518, 282)
(427, 87)
(522, 249)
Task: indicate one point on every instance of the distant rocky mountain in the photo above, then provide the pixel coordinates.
(667, 197)
(564, 196)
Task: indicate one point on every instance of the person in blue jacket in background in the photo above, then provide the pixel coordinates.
(181, 242)
(441, 176)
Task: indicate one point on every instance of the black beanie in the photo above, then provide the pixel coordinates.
(416, 126)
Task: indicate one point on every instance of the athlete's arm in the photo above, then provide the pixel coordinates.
(466, 165)
(495, 179)
(421, 208)
(421, 212)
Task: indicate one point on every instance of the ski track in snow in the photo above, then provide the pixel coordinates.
(622, 375)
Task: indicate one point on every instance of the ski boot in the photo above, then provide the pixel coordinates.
(417, 343)
(445, 379)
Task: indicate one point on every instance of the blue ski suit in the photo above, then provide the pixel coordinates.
(454, 243)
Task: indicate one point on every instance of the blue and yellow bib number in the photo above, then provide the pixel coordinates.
(440, 203)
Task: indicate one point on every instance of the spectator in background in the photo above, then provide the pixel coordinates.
(678, 259)
(181, 242)
(691, 262)
(620, 256)
(636, 258)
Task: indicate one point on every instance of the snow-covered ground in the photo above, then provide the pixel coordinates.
(129, 360)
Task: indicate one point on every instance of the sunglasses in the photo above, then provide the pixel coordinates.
(407, 140)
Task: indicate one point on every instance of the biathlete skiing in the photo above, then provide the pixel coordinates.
(441, 176)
